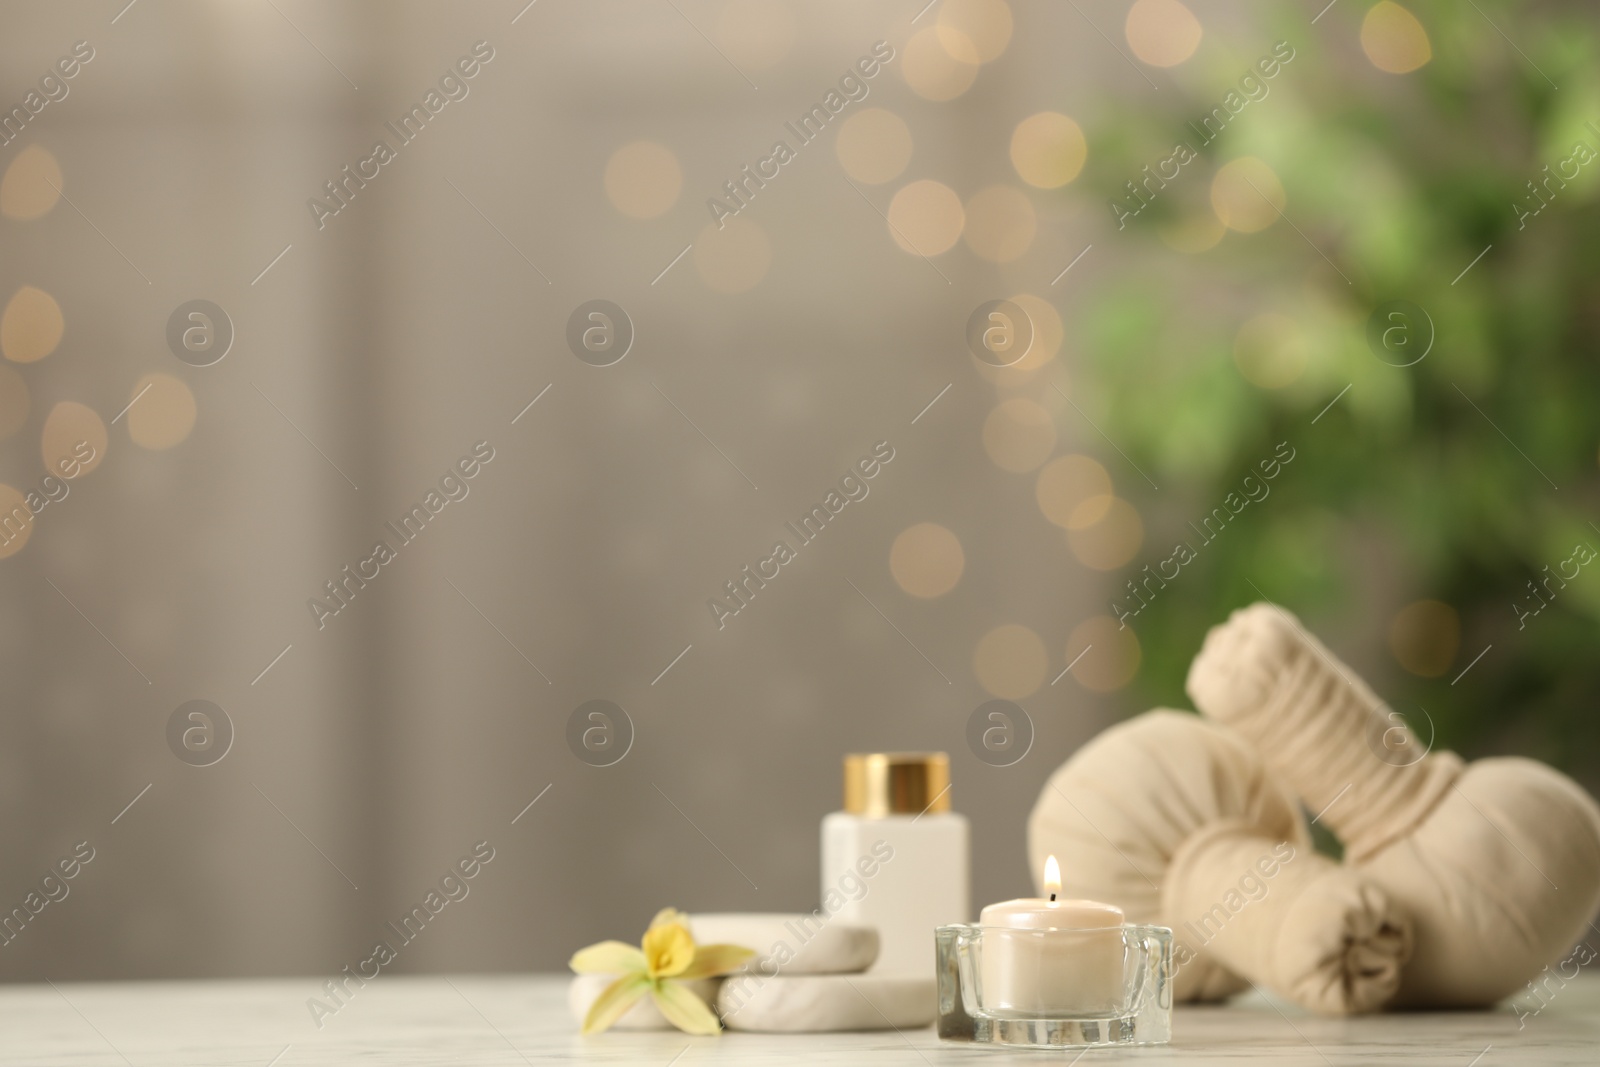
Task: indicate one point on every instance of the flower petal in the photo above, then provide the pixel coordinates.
(684, 1010)
(608, 957)
(669, 915)
(615, 999)
(668, 949)
(712, 960)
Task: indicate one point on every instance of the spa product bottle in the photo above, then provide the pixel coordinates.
(896, 856)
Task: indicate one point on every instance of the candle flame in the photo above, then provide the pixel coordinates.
(1052, 876)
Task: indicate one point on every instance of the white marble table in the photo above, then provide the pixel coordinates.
(397, 1021)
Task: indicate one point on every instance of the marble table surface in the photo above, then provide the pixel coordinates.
(400, 1020)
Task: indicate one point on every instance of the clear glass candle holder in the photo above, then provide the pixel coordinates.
(1055, 988)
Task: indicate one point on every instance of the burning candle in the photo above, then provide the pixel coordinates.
(1076, 969)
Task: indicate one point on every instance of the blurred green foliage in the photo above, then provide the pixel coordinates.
(1403, 490)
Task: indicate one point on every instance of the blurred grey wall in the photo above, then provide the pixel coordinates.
(423, 318)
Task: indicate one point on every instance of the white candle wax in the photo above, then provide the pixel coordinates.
(1052, 957)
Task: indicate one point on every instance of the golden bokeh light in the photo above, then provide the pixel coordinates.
(931, 71)
(643, 179)
(1246, 195)
(14, 401)
(1393, 39)
(735, 258)
(1425, 637)
(1048, 149)
(16, 521)
(73, 441)
(163, 414)
(1047, 334)
(1000, 223)
(1193, 233)
(874, 146)
(1019, 435)
(1162, 33)
(1270, 350)
(1010, 662)
(1109, 654)
(31, 326)
(1109, 542)
(974, 31)
(1073, 491)
(755, 34)
(926, 218)
(926, 560)
(31, 186)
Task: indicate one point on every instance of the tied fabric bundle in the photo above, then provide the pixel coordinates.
(1496, 862)
(1179, 821)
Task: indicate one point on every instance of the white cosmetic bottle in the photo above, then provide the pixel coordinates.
(896, 856)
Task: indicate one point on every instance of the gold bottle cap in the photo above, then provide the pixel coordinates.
(896, 783)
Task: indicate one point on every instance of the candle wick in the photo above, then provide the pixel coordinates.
(1052, 898)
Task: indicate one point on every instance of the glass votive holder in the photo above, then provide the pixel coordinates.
(1055, 988)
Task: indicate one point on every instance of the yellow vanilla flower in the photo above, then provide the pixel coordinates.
(666, 957)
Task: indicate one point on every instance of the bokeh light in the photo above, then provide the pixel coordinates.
(1270, 350)
(1162, 33)
(1393, 39)
(163, 414)
(734, 258)
(73, 441)
(926, 218)
(1246, 195)
(14, 401)
(755, 34)
(1048, 149)
(974, 31)
(31, 186)
(931, 71)
(1109, 542)
(643, 179)
(1010, 662)
(926, 560)
(874, 146)
(31, 326)
(1073, 491)
(16, 521)
(1019, 435)
(1425, 637)
(1047, 334)
(1110, 654)
(1000, 223)
(1195, 232)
